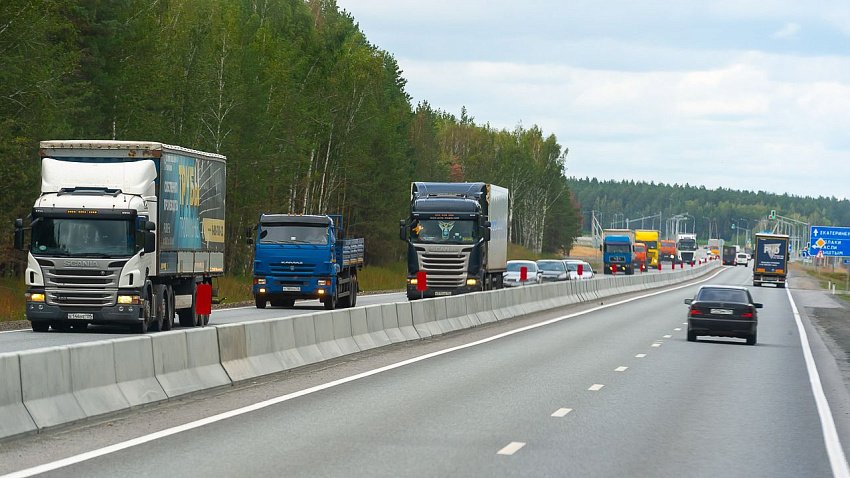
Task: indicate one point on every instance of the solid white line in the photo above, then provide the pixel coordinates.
(511, 448)
(13, 331)
(621, 369)
(55, 465)
(596, 387)
(562, 412)
(640, 355)
(837, 459)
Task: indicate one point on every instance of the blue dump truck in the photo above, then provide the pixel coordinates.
(304, 257)
(770, 259)
(457, 237)
(618, 251)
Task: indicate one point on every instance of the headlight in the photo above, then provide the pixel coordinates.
(35, 297)
(413, 281)
(321, 291)
(471, 281)
(128, 299)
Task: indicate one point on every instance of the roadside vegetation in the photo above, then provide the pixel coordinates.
(827, 276)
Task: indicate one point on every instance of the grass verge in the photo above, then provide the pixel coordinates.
(12, 302)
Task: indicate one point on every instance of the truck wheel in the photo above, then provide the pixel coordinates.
(189, 317)
(40, 326)
(147, 310)
(168, 320)
(160, 308)
(260, 302)
(354, 286)
(330, 302)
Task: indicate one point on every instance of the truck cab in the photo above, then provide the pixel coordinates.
(617, 254)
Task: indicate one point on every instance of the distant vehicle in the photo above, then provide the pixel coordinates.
(723, 311)
(512, 277)
(686, 247)
(667, 252)
(553, 270)
(715, 246)
(650, 239)
(742, 259)
(572, 267)
(618, 250)
(771, 259)
(641, 257)
(729, 253)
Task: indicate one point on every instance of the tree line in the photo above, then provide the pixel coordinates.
(312, 116)
(716, 209)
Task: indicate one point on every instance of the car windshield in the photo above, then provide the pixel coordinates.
(556, 266)
(294, 234)
(77, 237)
(723, 295)
(516, 266)
(572, 266)
(443, 231)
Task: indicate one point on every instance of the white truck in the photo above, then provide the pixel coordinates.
(686, 248)
(123, 232)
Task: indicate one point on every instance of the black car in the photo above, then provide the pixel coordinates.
(723, 311)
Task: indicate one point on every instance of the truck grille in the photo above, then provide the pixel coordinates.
(284, 269)
(445, 269)
(81, 287)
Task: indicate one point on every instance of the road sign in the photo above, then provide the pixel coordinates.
(828, 241)
(846, 261)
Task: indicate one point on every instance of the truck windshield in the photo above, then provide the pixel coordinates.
(687, 245)
(443, 232)
(83, 237)
(618, 248)
(651, 244)
(294, 234)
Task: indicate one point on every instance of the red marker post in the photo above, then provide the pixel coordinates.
(421, 283)
(580, 270)
(523, 274)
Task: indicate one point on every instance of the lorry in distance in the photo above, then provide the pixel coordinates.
(123, 232)
(667, 250)
(686, 247)
(770, 257)
(715, 247)
(457, 238)
(729, 254)
(302, 257)
(650, 238)
(641, 259)
(618, 248)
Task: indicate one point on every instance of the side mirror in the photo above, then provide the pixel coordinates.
(402, 230)
(486, 231)
(150, 226)
(758, 306)
(688, 301)
(150, 242)
(249, 233)
(19, 234)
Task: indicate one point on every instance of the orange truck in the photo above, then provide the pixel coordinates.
(640, 256)
(668, 251)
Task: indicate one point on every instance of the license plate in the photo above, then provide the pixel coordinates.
(443, 292)
(721, 312)
(292, 289)
(80, 316)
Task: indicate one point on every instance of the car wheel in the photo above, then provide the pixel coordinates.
(260, 302)
(692, 336)
(751, 339)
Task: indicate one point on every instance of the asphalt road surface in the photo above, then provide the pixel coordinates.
(594, 390)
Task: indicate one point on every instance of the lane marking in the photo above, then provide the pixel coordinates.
(14, 331)
(677, 329)
(640, 355)
(90, 455)
(621, 369)
(656, 344)
(668, 336)
(596, 387)
(562, 412)
(684, 323)
(511, 448)
(837, 459)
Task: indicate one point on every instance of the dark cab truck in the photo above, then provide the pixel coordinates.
(770, 259)
(304, 257)
(457, 234)
(729, 254)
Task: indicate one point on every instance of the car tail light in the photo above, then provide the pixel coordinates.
(694, 312)
(747, 315)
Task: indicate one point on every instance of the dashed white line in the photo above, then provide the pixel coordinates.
(640, 355)
(621, 369)
(668, 336)
(511, 448)
(596, 387)
(656, 344)
(562, 412)
(684, 323)
(677, 329)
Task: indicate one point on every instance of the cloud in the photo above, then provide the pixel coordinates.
(788, 31)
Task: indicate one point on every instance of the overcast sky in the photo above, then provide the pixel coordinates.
(743, 94)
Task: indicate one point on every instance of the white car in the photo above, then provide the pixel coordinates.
(742, 259)
(572, 266)
(511, 278)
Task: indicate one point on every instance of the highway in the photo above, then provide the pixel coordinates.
(610, 390)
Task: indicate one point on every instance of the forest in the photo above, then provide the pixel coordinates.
(719, 209)
(312, 116)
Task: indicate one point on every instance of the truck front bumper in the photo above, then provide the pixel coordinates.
(428, 293)
(110, 314)
(277, 290)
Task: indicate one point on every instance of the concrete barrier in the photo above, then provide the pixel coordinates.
(95, 385)
(404, 313)
(483, 305)
(389, 316)
(375, 325)
(343, 335)
(283, 338)
(248, 350)
(424, 318)
(305, 338)
(325, 340)
(134, 370)
(14, 417)
(457, 318)
(186, 361)
(46, 387)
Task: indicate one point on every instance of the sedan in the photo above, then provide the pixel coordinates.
(723, 311)
(512, 277)
(553, 270)
(572, 266)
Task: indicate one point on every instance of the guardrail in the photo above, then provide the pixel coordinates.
(54, 386)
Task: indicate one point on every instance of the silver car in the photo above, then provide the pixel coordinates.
(572, 267)
(511, 278)
(553, 270)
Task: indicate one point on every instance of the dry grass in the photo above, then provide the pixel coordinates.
(387, 277)
(234, 288)
(12, 302)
